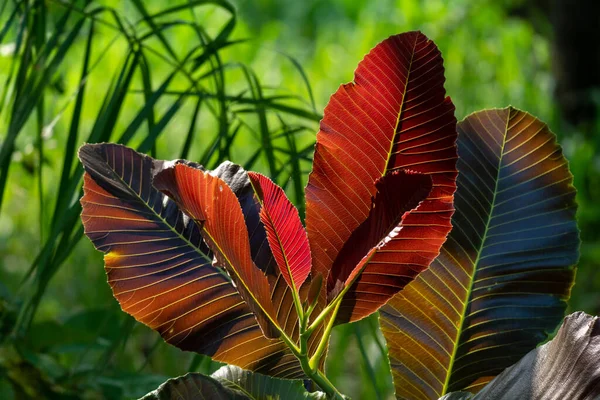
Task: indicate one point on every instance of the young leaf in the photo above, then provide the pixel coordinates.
(286, 235)
(364, 262)
(567, 367)
(161, 271)
(212, 205)
(503, 277)
(231, 383)
(394, 116)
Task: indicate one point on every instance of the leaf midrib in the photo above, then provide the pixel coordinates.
(476, 262)
(153, 212)
(401, 110)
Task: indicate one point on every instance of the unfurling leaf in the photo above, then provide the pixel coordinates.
(211, 204)
(567, 367)
(366, 255)
(286, 235)
(502, 279)
(231, 383)
(161, 271)
(395, 116)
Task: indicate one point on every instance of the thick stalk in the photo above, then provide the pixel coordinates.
(317, 376)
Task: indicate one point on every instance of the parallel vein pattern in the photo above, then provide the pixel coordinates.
(286, 235)
(211, 203)
(372, 242)
(394, 116)
(502, 279)
(160, 270)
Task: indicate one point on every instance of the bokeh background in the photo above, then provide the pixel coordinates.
(245, 81)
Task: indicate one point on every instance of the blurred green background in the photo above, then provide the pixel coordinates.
(246, 82)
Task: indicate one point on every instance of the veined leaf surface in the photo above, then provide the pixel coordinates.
(370, 245)
(394, 116)
(502, 279)
(161, 271)
(566, 367)
(286, 235)
(211, 203)
(232, 383)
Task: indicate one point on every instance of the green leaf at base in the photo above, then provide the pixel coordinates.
(231, 383)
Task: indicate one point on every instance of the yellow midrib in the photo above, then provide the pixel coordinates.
(395, 135)
(479, 251)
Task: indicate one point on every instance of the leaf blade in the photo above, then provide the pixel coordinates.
(231, 383)
(504, 274)
(221, 323)
(567, 366)
(211, 203)
(394, 116)
(286, 235)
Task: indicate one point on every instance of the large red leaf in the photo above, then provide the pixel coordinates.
(397, 193)
(286, 235)
(363, 263)
(281, 295)
(211, 203)
(161, 271)
(394, 116)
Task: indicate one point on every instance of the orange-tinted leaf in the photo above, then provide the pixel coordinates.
(211, 203)
(281, 294)
(286, 235)
(237, 179)
(501, 281)
(394, 116)
(382, 255)
(161, 271)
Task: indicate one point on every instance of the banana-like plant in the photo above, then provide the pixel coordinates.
(472, 273)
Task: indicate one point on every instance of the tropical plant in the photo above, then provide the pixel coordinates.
(85, 71)
(218, 261)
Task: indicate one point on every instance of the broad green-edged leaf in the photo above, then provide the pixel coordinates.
(285, 233)
(502, 279)
(233, 383)
(213, 206)
(371, 243)
(394, 116)
(567, 367)
(161, 271)
(193, 386)
(258, 386)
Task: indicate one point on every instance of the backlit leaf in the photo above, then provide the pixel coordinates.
(286, 235)
(394, 116)
(502, 279)
(194, 386)
(364, 262)
(161, 271)
(567, 367)
(212, 205)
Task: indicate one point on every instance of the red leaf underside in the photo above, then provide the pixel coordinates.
(286, 235)
(211, 203)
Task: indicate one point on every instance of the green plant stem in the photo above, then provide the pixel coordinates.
(314, 360)
(310, 364)
(312, 371)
